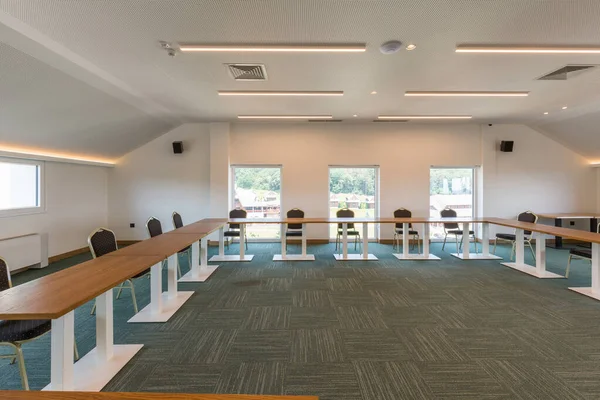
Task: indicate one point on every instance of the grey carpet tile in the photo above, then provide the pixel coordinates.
(582, 376)
(371, 274)
(209, 346)
(328, 381)
(131, 378)
(269, 298)
(543, 317)
(408, 317)
(361, 317)
(343, 284)
(278, 271)
(230, 299)
(339, 272)
(317, 346)
(309, 284)
(431, 344)
(268, 318)
(189, 378)
(308, 273)
(252, 378)
(375, 345)
(541, 345)
(390, 298)
(224, 318)
(453, 316)
(349, 299)
(309, 317)
(391, 380)
(311, 298)
(276, 284)
(261, 346)
(487, 343)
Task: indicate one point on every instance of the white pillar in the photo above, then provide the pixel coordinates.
(61, 357)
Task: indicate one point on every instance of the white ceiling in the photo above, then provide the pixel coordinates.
(117, 89)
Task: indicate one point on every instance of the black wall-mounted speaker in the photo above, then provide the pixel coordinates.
(506, 146)
(177, 147)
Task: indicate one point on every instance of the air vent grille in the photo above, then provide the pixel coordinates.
(566, 72)
(390, 120)
(247, 72)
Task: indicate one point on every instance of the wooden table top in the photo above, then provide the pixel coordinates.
(23, 395)
(579, 215)
(163, 245)
(203, 227)
(583, 236)
(54, 295)
(334, 220)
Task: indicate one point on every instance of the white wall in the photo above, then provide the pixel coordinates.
(152, 181)
(76, 204)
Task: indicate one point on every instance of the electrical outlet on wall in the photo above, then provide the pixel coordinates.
(132, 225)
(571, 223)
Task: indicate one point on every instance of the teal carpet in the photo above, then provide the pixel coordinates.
(380, 330)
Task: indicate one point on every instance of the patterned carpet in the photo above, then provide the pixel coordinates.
(382, 330)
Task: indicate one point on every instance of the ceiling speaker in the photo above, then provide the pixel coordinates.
(390, 47)
(177, 147)
(506, 146)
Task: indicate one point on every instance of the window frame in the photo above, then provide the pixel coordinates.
(41, 192)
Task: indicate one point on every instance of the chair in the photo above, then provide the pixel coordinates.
(294, 230)
(579, 253)
(398, 231)
(526, 216)
(178, 223)
(234, 229)
(103, 241)
(154, 228)
(351, 231)
(452, 228)
(14, 333)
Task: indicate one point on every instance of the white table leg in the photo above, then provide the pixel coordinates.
(465, 239)
(345, 240)
(293, 257)
(485, 239)
(283, 240)
(304, 240)
(539, 270)
(540, 253)
(221, 241)
(242, 241)
(485, 245)
(199, 272)
(365, 249)
(405, 239)
(594, 290)
(104, 325)
(172, 275)
(156, 288)
(425, 239)
(61, 358)
(520, 247)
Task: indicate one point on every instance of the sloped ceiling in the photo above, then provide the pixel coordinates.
(118, 40)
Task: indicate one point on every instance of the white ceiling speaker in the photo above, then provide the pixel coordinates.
(391, 47)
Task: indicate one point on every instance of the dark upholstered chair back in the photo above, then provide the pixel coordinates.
(237, 213)
(177, 221)
(295, 213)
(449, 213)
(402, 213)
(5, 282)
(154, 227)
(527, 216)
(102, 241)
(345, 213)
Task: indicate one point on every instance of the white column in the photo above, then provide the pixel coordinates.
(203, 252)
(104, 325)
(195, 267)
(242, 241)
(345, 240)
(172, 275)
(156, 288)
(465, 240)
(426, 239)
(485, 239)
(405, 239)
(283, 240)
(540, 253)
(595, 268)
(222, 241)
(61, 353)
(303, 240)
(365, 249)
(520, 250)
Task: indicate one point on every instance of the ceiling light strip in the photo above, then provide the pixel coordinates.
(285, 116)
(424, 117)
(465, 94)
(274, 48)
(528, 50)
(13, 152)
(277, 93)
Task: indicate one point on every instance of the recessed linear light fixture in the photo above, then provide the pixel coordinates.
(564, 108)
(353, 48)
(285, 116)
(424, 117)
(466, 94)
(276, 93)
(528, 50)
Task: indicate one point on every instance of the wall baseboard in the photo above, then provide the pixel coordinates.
(126, 242)
(68, 254)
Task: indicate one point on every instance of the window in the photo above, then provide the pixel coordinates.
(453, 188)
(356, 188)
(20, 187)
(257, 189)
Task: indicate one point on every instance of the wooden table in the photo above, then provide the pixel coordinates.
(21, 395)
(57, 295)
(200, 271)
(558, 219)
(162, 305)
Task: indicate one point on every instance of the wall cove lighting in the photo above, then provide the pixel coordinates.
(355, 48)
(37, 154)
(527, 50)
(466, 94)
(285, 116)
(277, 93)
(424, 117)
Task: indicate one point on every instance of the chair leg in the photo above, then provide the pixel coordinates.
(178, 267)
(475, 241)
(135, 307)
(22, 370)
(513, 250)
(337, 238)
(418, 244)
(531, 248)
(75, 351)
(444, 245)
(568, 266)
(120, 290)
(93, 308)
(458, 246)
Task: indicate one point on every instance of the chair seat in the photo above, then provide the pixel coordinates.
(399, 231)
(350, 233)
(232, 233)
(506, 236)
(458, 232)
(585, 253)
(293, 233)
(18, 331)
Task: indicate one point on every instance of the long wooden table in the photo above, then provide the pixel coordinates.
(558, 220)
(57, 295)
(22, 395)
